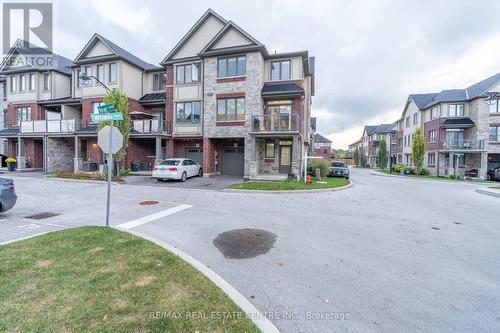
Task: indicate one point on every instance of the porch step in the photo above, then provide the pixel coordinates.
(270, 177)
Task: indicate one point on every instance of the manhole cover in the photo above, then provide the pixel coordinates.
(148, 202)
(41, 216)
(244, 243)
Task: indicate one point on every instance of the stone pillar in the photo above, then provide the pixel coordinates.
(250, 158)
(170, 148)
(21, 159)
(296, 165)
(158, 155)
(77, 160)
(483, 169)
(208, 157)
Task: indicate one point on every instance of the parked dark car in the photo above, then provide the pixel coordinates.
(494, 174)
(339, 169)
(8, 195)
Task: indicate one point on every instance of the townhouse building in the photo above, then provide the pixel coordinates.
(219, 98)
(370, 141)
(322, 147)
(3, 108)
(234, 106)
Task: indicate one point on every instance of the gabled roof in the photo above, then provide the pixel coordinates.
(479, 88)
(320, 139)
(191, 32)
(253, 43)
(370, 128)
(421, 100)
(21, 47)
(383, 129)
(119, 53)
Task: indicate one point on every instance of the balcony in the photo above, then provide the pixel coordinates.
(282, 122)
(148, 126)
(50, 126)
(462, 145)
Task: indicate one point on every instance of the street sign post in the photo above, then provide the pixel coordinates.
(110, 140)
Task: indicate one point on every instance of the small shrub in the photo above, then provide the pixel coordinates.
(398, 168)
(456, 177)
(322, 165)
(125, 172)
(423, 171)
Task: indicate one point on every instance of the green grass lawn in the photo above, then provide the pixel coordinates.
(290, 185)
(496, 187)
(435, 178)
(99, 279)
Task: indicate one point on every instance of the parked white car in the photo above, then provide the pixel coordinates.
(177, 168)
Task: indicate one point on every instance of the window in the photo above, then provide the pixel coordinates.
(187, 73)
(432, 136)
(494, 133)
(280, 70)
(407, 121)
(46, 82)
(434, 112)
(188, 112)
(78, 73)
(456, 110)
(112, 72)
(227, 67)
(415, 118)
(231, 109)
(159, 81)
(31, 86)
(22, 82)
(431, 159)
(95, 106)
(494, 105)
(23, 114)
(269, 149)
(13, 84)
(4, 92)
(87, 70)
(100, 73)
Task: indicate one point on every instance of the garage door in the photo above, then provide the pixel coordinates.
(233, 161)
(196, 154)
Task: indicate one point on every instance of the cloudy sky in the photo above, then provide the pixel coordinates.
(369, 54)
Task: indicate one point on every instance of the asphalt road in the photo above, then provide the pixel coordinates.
(387, 255)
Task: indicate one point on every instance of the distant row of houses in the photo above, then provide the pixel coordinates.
(461, 129)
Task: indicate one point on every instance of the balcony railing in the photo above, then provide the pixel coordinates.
(462, 144)
(277, 123)
(145, 126)
(50, 126)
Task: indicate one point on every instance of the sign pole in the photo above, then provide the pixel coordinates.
(110, 172)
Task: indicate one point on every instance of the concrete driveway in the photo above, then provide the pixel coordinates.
(200, 183)
(387, 255)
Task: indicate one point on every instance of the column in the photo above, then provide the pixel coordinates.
(483, 169)
(296, 160)
(250, 158)
(208, 157)
(77, 161)
(170, 148)
(21, 159)
(158, 154)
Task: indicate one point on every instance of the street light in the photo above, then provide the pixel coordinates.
(85, 80)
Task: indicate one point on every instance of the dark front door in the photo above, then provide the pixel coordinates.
(286, 159)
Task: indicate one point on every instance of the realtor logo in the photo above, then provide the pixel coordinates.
(27, 23)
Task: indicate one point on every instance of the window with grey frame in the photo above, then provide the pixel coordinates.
(13, 84)
(432, 136)
(32, 82)
(190, 73)
(456, 110)
(159, 82)
(270, 149)
(231, 109)
(434, 112)
(87, 71)
(431, 159)
(78, 73)
(188, 112)
(100, 73)
(494, 105)
(112, 72)
(494, 133)
(280, 70)
(46, 82)
(232, 66)
(22, 83)
(23, 114)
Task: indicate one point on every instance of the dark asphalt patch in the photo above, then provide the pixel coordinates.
(41, 216)
(436, 228)
(244, 243)
(148, 202)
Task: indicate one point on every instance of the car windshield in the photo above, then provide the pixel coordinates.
(338, 165)
(170, 162)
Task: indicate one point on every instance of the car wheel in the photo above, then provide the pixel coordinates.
(488, 177)
(159, 179)
(184, 177)
(200, 172)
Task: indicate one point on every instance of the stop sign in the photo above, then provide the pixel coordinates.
(103, 139)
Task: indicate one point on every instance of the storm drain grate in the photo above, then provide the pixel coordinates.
(148, 202)
(41, 216)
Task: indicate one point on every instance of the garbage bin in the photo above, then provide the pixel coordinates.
(12, 166)
(134, 167)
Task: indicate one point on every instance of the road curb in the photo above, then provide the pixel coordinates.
(88, 181)
(489, 193)
(261, 321)
(345, 187)
(443, 181)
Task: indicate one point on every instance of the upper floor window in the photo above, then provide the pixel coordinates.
(234, 66)
(456, 110)
(95, 106)
(87, 71)
(280, 70)
(187, 73)
(100, 73)
(434, 112)
(188, 112)
(415, 118)
(112, 72)
(4, 91)
(32, 81)
(159, 81)
(494, 105)
(231, 109)
(23, 114)
(432, 136)
(22, 83)
(13, 84)
(78, 74)
(407, 121)
(494, 133)
(46, 82)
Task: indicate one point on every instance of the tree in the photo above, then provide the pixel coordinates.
(362, 157)
(355, 157)
(382, 154)
(418, 150)
(120, 102)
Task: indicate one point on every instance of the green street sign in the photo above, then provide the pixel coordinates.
(106, 117)
(106, 108)
(459, 154)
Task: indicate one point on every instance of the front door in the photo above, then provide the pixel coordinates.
(285, 159)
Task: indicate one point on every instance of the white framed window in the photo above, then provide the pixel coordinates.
(46, 82)
(112, 73)
(78, 73)
(456, 110)
(280, 70)
(32, 82)
(189, 73)
(22, 83)
(95, 106)
(432, 136)
(188, 112)
(23, 114)
(100, 73)
(431, 159)
(13, 84)
(434, 112)
(87, 71)
(407, 121)
(159, 81)
(494, 133)
(494, 105)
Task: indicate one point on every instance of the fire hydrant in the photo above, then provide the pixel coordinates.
(308, 180)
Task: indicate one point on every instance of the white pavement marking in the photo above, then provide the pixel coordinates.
(152, 217)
